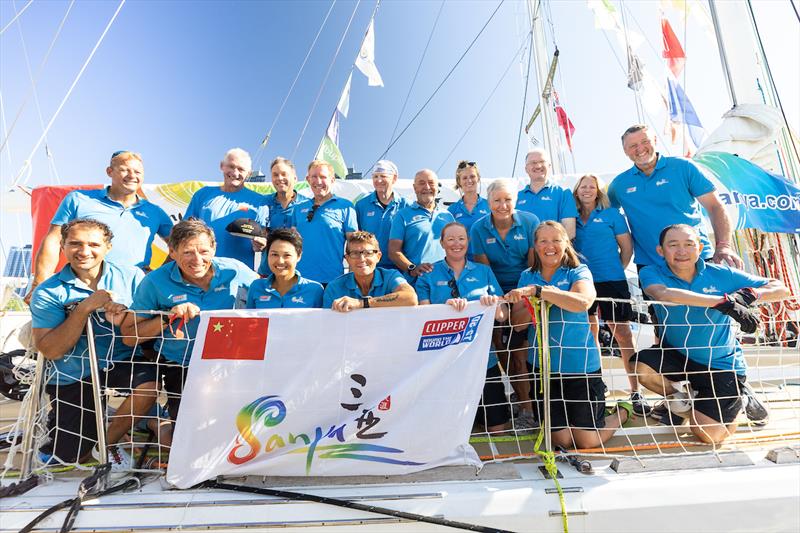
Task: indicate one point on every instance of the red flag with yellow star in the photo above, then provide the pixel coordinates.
(236, 338)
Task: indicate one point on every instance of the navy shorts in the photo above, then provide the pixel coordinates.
(576, 400)
(613, 311)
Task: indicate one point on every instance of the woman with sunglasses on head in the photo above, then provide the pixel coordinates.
(471, 206)
(601, 229)
(454, 281)
(284, 286)
(577, 401)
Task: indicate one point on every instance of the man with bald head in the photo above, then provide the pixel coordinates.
(544, 198)
(414, 237)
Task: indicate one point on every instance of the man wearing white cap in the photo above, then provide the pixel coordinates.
(376, 210)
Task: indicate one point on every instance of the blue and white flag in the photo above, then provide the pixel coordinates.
(682, 111)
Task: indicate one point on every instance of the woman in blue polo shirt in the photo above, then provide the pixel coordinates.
(600, 229)
(471, 206)
(454, 281)
(284, 287)
(577, 402)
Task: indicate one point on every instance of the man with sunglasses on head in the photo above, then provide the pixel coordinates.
(133, 220)
(366, 285)
(544, 198)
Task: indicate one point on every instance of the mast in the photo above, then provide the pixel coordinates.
(723, 56)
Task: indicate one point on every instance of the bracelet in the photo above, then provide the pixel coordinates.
(365, 302)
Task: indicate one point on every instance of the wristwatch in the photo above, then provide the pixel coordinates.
(412, 267)
(365, 302)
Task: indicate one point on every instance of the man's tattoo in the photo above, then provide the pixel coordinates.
(387, 298)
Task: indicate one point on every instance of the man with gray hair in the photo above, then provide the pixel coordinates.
(544, 198)
(218, 206)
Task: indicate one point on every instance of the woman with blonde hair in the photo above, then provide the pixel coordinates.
(471, 206)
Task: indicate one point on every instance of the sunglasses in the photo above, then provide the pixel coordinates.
(119, 152)
(361, 253)
(465, 164)
(310, 215)
(454, 292)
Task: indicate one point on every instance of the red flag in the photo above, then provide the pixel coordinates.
(236, 338)
(673, 51)
(566, 125)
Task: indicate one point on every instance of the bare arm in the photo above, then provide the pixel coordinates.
(625, 244)
(398, 258)
(53, 343)
(681, 296)
(579, 297)
(772, 291)
(569, 225)
(46, 257)
(402, 296)
(723, 252)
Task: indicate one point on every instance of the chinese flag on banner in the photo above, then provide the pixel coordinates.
(236, 338)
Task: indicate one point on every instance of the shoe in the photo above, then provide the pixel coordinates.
(640, 405)
(679, 403)
(120, 460)
(756, 411)
(624, 406)
(525, 421)
(665, 416)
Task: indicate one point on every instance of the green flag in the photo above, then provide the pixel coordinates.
(328, 151)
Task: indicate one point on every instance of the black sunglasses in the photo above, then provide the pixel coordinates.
(310, 215)
(465, 164)
(454, 292)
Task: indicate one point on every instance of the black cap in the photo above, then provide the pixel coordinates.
(245, 227)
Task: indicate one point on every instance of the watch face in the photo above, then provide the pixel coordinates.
(411, 267)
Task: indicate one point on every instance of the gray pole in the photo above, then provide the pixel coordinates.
(722, 55)
(94, 368)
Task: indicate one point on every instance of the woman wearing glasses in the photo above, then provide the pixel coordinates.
(471, 206)
(454, 281)
(558, 279)
(366, 285)
(284, 286)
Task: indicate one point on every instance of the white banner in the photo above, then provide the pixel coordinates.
(318, 393)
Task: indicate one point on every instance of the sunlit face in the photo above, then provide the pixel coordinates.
(468, 180)
(383, 182)
(235, 170)
(681, 248)
(426, 186)
(85, 247)
(550, 246)
(501, 202)
(587, 191)
(455, 242)
(640, 147)
(126, 175)
(284, 178)
(362, 257)
(193, 256)
(320, 179)
(282, 259)
(537, 166)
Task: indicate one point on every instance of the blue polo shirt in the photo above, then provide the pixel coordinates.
(218, 208)
(48, 310)
(467, 217)
(164, 288)
(279, 217)
(507, 257)
(475, 281)
(304, 293)
(420, 229)
(550, 203)
(377, 219)
(702, 334)
(572, 346)
(667, 196)
(134, 227)
(596, 240)
(384, 282)
(324, 237)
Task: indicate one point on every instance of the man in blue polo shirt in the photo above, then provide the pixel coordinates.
(281, 203)
(699, 365)
(376, 211)
(366, 285)
(544, 198)
(194, 281)
(134, 221)
(88, 287)
(324, 223)
(414, 236)
(658, 190)
(218, 206)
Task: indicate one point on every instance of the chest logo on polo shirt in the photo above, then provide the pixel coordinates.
(438, 334)
(546, 198)
(265, 298)
(710, 290)
(370, 213)
(491, 240)
(522, 202)
(659, 183)
(519, 237)
(459, 215)
(417, 218)
(598, 219)
(471, 279)
(630, 189)
(179, 298)
(442, 283)
(298, 300)
(562, 282)
(138, 213)
(221, 288)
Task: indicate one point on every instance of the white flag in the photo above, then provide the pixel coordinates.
(333, 128)
(344, 101)
(366, 58)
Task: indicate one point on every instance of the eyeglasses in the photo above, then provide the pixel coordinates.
(310, 215)
(119, 152)
(361, 253)
(454, 292)
(465, 164)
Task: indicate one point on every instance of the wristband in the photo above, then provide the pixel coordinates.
(537, 291)
(365, 302)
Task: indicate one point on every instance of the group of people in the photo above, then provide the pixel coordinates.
(562, 248)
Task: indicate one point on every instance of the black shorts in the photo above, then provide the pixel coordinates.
(173, 377)
(576, 400)
(71, 423)
(613, 311)
(506, 339)
(493, 408)
(718, 391)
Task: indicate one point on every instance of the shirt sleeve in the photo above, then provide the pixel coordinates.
(350, 220)
(316, 296)
(493, 285)
(524, 279)
(612, 193)
(697, 182)
(423, 288)
(398, 230)
(66, 210)
(395, 280)
(568, 208)
(619, 224)
(146, 297)
(579, 273)
(531, 230)
(164, 225)
(476, 244)
(649, 275)
(46, 310)
(191, 209)
(251, 295)
(741, 279)
(328, 296)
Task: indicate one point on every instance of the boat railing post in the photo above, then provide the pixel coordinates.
(545, 374)
(94, 368)
(35, 394)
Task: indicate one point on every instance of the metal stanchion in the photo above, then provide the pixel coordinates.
(35, 394)
(94, 368)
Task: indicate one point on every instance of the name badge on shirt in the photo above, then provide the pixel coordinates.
(265, 298)
(630, 189)
(179, 298)
(371, 213)
(441, 283)
(491, 240)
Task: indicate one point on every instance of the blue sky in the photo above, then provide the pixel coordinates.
(181, 82)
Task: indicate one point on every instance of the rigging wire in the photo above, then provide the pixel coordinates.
(265, 141)
(10, 22)
(435, 91)
(26, 166)
(325, 80)
(794, 7)
(419, 66)
(562, 84)
(524, 100)
(485, 103)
